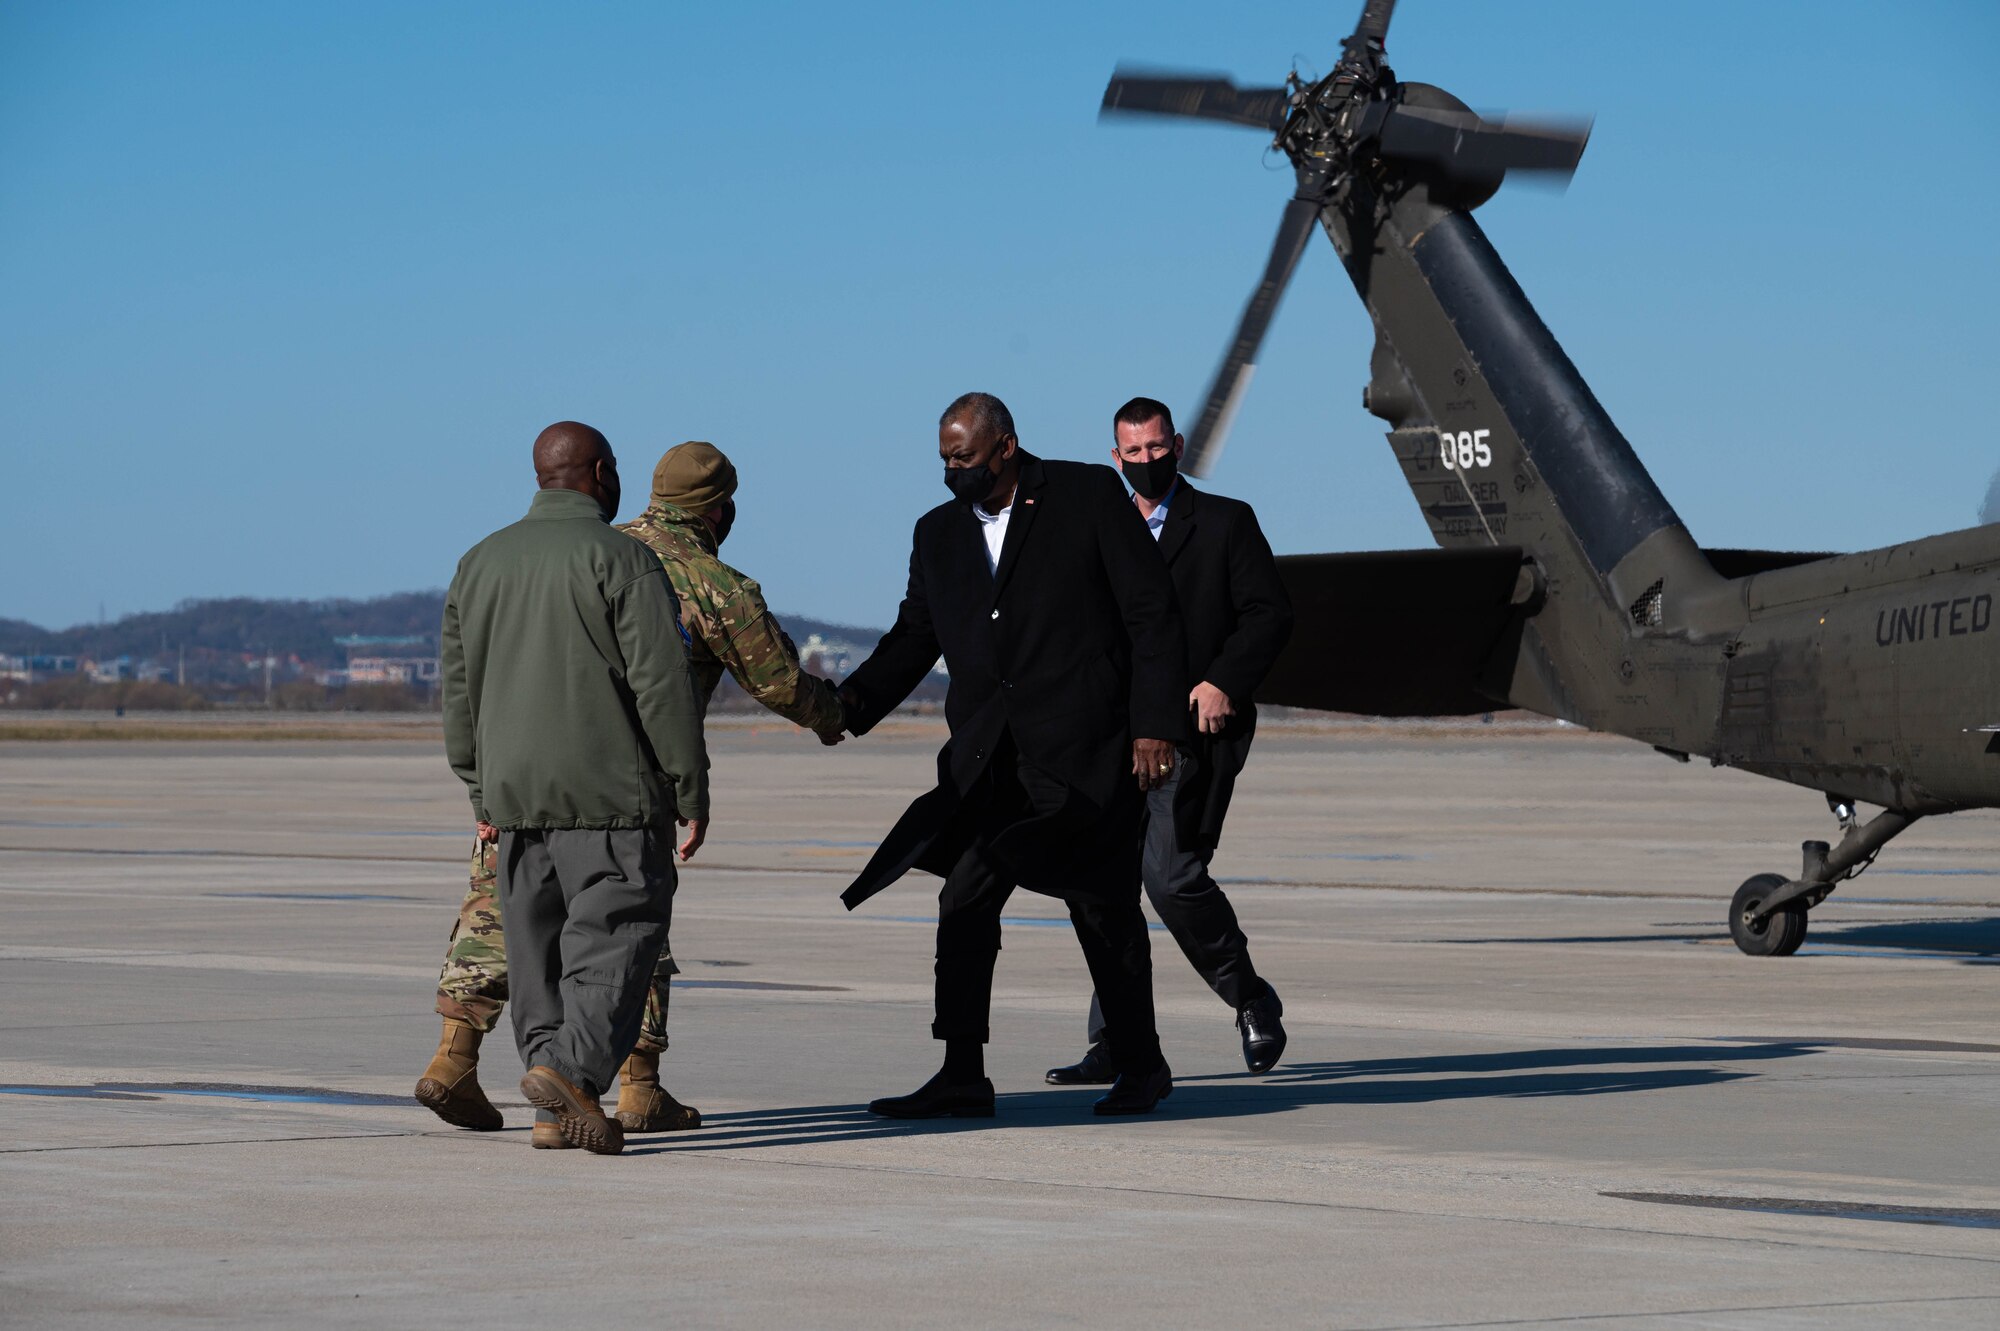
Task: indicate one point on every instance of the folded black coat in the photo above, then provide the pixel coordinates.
(1069, 650)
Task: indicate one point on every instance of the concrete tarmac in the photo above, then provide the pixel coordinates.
(1530, 1082)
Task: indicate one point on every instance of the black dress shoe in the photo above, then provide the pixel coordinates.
(1263, 1033)
(938, 1098)
(1093, 1069)
(1138, 1092)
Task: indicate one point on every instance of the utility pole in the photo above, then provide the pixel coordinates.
(269, 661)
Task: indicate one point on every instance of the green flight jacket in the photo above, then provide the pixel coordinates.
(567, 696)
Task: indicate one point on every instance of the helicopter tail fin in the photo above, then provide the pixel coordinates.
(1504, 445)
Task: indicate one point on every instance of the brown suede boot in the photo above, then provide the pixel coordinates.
(449, 1087)
(643, 1106)
(578, 1115)
(548, 1137)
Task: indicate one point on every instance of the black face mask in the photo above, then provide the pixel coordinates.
(1151, 479)
(969, 485)
(724, 520)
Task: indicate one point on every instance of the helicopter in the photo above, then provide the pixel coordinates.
(1564, 583)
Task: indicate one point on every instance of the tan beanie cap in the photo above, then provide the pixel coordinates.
(694, 476)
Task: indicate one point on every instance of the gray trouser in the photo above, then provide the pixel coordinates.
(585, 914)
(1190, 903)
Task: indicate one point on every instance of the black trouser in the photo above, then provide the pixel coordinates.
(585, 914)
(1106, 916)
(1190, 903)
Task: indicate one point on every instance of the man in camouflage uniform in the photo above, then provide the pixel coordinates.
(729, 629)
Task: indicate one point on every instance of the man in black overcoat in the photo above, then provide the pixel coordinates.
(1039, 586)
(1237, 619)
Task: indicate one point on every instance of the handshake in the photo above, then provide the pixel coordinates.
(850, 703)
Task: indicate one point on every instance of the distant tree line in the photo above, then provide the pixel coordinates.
(235, 625)
(205, 654)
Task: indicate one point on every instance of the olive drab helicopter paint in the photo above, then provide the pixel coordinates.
(1565, 583)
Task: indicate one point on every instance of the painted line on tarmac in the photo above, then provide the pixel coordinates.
(216, 961)
(398, 1015)
(230, 961)
(1677, 1313)
(224, 1141)
(140, 1090)
(1314, 884)
(1956, 1217)
(343, 857)
(313, 896)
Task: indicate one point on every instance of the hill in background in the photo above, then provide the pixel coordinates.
(220, 648)
(305, 630)
(233, 626)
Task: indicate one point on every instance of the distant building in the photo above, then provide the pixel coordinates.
(34, 669)
(835, 657)
(108, 672)
(391, 670)
(828, 656)
(379, 660)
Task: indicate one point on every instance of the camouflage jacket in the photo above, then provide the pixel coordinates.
(728, 624)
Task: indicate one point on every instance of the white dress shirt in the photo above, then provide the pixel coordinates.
(1156, 521)
(993, 526)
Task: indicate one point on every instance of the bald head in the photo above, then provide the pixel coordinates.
(570, 455)
(567, 446)
(980, 451)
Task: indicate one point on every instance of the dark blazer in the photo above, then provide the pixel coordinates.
(1073, 647)
(1238, 618)
(1233, 603)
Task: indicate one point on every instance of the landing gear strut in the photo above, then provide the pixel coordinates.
(1767, 916)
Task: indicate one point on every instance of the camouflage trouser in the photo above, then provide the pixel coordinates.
(472, 987)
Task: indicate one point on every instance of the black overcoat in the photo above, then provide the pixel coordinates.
(1072, 647)
(1237, 619)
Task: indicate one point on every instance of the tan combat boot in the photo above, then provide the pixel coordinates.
(549, 1137)
(578, 1115)
(643, 1106)
(449, 1087)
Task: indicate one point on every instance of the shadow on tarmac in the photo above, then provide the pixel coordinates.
(1515, 1074)
(1970, 940)
(1972, 937)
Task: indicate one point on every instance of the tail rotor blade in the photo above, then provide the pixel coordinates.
(1464, 145)
(1195, 97)
(1225, 393)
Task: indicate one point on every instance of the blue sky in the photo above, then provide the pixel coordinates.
(287, 290)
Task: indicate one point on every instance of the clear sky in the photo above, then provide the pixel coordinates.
(286, 290)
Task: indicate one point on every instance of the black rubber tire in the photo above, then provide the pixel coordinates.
(1777, 934)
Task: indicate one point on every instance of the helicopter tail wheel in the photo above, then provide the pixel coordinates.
(1777, 934)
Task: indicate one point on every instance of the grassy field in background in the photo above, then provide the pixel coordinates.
(43, 727)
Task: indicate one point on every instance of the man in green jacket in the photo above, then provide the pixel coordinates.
(571, 716)
(729, 630)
